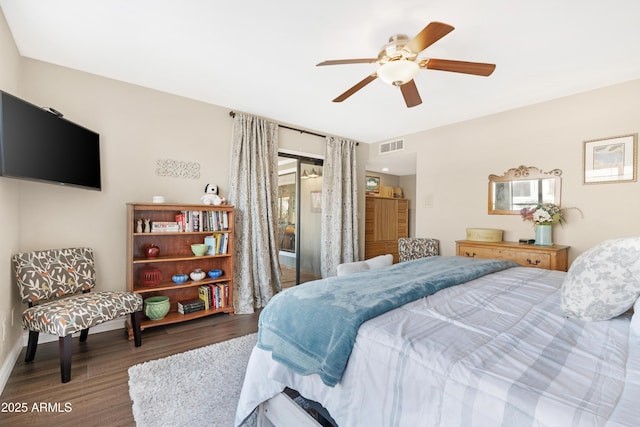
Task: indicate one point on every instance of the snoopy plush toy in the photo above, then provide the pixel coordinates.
(211, 195)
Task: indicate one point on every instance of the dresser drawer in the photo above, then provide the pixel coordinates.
(526, 259)
(554, 257)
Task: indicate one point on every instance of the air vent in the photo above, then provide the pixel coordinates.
(391, 146)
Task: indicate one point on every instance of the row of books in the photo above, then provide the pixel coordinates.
(215, 296)
(203, 220)
(218, 244)
(190, 306)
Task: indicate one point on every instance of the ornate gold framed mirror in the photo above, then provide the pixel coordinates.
(523, 187)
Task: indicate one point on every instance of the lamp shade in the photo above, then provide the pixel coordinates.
(398, 72)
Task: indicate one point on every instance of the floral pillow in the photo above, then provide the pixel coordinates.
(635, 319)
(604, 281)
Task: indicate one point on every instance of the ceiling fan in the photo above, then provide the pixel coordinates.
(399, 63)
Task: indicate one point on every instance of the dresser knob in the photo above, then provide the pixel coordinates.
(533, 263)
(471, 255)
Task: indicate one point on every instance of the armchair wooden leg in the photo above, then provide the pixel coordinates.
(135, 325)
(65, 357)
(31, 346)
(84, 334)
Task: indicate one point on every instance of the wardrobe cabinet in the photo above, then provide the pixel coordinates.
(386, 220)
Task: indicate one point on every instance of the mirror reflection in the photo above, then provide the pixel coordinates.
(523, 187)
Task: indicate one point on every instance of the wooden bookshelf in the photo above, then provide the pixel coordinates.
(176, 257)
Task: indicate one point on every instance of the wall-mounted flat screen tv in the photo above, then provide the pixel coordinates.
(37, 144)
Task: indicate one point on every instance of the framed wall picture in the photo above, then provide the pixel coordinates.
(372, 184)
(316, 201)
(611, 160)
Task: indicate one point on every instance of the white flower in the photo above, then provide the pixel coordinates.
(540, 215)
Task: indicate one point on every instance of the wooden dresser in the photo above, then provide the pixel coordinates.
(549, 257)
(386, 220)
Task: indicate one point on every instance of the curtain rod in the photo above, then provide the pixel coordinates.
(233, 114)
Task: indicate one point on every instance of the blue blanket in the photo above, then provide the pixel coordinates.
(311, 328)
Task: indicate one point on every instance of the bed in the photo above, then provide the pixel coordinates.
(497, 349)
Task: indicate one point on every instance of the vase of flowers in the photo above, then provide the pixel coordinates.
(543, 235)
(543, 217)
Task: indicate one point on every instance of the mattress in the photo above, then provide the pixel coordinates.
(495, 351)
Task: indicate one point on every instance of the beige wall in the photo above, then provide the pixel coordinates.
(137, 127)
(454, 162)
(10, 218)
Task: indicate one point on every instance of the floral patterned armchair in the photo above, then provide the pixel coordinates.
(410, 248)
(55, 284)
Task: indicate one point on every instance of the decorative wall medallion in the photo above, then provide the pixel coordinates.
(178, 169)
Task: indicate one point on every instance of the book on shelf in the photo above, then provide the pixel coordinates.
(190, 310)
(190, 306)
(204, 293)
(164, 226)
(195, 221)
(180, 220)
(203, 220)
(218, 244)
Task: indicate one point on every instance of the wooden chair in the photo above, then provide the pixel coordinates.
(410, 248)
(55, 284)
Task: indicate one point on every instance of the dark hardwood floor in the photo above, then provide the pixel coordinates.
(98, 393)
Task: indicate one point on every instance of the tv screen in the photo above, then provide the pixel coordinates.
(37, 144)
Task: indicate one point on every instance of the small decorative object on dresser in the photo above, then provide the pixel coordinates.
(553, 257)
(484, 234)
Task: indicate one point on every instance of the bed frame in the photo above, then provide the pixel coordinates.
(281, 410)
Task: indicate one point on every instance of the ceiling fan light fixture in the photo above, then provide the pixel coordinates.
(397, 73)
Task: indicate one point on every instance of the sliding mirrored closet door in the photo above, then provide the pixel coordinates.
(299, 197)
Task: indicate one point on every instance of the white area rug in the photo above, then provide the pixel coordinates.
(200, 387)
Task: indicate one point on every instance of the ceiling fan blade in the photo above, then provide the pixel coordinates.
(410, 94)
(428, 36)
(476, 68)
(356, 87)
(348, 61)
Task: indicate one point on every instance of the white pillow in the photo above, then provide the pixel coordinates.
(374, 263)
(351, 267)
(379, 261)
(604, 281)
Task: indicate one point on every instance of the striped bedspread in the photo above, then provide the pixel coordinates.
(311, 328)
(495, 351)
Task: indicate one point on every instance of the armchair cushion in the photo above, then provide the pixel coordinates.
(73, 314)
(410, 248)
(47, 274)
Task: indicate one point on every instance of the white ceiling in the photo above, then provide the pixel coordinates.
(259, 56)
